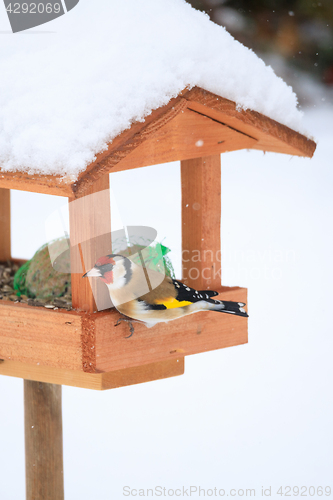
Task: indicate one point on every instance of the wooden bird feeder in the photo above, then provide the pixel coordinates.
(82, 347)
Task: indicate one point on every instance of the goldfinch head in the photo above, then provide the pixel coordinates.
(114, 270)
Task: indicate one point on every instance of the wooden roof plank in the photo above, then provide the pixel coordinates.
(130, 149)
(189, 135)
(45, 184)
(271, 135)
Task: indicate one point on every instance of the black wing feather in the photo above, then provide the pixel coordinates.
(189, 294)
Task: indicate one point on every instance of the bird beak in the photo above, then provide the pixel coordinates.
(93, 273)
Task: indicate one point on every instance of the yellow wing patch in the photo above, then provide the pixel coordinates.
(172, 303)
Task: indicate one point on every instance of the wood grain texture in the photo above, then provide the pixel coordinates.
(201, 222)
(271, 135)
(37, 335)
(145, 373)
(64, 339)
(199, 332)
(90, 236)
(96, 381)
(188, 135)
(259, 131)
(45, 184)
(5, 242)
(43, 441)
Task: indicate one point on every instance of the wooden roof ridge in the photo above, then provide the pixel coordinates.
(259, 132)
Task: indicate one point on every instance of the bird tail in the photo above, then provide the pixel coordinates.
(236, 308)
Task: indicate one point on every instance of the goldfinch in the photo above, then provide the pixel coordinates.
(169, 300)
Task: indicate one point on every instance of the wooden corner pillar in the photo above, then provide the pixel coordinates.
(201, 222)
(90, 234)
(43, 441)
(5, 245)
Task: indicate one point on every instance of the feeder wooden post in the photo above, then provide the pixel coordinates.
(90, 228)
(201, 222)
(5, 250)
(43, 441)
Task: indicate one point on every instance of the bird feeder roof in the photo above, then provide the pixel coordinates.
(133, 84)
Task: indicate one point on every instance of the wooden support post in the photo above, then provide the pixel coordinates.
(201, 222)
(90, 227)
(5, 250)
(43, 441)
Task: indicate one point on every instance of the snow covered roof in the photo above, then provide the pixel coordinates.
(66, 95)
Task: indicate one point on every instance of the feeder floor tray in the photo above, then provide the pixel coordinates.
(88, 350)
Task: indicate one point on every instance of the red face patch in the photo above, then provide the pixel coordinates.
(102, 261)
(107, 277)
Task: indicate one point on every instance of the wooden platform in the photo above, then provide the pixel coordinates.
(97, 381)
(87, 350)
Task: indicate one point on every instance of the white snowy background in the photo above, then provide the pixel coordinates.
(251, 416)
